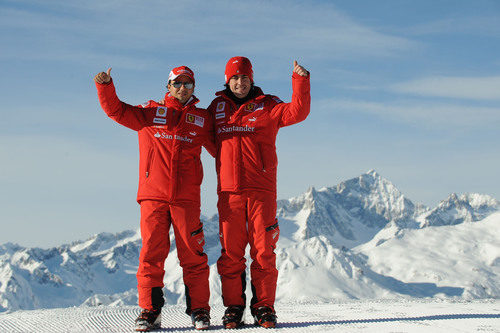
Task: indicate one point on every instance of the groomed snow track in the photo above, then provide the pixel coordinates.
(358, 316)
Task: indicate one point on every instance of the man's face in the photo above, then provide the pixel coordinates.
(182, 93)
(240, 85)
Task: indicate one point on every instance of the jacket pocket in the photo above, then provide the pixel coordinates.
(197, 240)
(268, 157)
(273, 234)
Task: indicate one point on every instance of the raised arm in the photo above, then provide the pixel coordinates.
(298, 109)
(125, 114)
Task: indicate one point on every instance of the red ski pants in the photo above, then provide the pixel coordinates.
(248, 218)
(156, 218)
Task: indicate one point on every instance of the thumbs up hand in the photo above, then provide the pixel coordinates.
(102, 77)
(299, 69)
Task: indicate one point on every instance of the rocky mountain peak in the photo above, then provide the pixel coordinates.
(468, 207)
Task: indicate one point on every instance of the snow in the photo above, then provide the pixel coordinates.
(454, 255)
(353, 316)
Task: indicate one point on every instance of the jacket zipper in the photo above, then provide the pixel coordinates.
(263, 166)
(149, 161)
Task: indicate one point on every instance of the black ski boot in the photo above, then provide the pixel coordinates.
(200, 319)
(233, 317)
(264, 316)
(148, 320)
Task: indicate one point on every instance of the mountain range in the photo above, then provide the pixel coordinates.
(360, 239)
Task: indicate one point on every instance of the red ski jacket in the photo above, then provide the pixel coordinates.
(170, 140)
(246, 136)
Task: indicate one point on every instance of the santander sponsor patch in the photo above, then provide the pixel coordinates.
(163, 135)
(230, 129)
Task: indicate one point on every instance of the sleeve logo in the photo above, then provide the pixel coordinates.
(277, 100)
(220, 106)
(160, 120)
(161, 111)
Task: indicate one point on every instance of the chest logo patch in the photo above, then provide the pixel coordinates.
(194, 119)
(250, 107)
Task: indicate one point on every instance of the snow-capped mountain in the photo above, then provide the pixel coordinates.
(360, 239)
(458, 209)
(352, 212)
(32, 278)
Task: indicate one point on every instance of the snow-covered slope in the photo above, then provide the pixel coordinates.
(350, 316)
(360, 239)
(461, 260)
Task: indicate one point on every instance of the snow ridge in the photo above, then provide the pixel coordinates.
(469, 207)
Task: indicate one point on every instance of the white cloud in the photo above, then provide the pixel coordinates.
(478, 88)
(421, 113)
(94, 30)
(482, 25)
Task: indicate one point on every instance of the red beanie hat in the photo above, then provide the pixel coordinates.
(238, 66)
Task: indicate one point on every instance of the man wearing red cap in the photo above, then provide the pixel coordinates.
(170, 138)
(246, 124)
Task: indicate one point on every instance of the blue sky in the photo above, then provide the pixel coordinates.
(408, 88)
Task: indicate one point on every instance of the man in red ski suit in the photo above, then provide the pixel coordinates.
(246, 124)
(170, 173)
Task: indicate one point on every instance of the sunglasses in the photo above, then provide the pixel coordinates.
(187, 85)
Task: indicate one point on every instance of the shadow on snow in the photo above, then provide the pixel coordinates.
(382, 320)
(351, 321)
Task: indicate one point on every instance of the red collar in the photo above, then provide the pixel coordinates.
(173, 102)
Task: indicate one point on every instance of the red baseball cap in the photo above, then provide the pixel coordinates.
(178, 71)
(238, 66)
